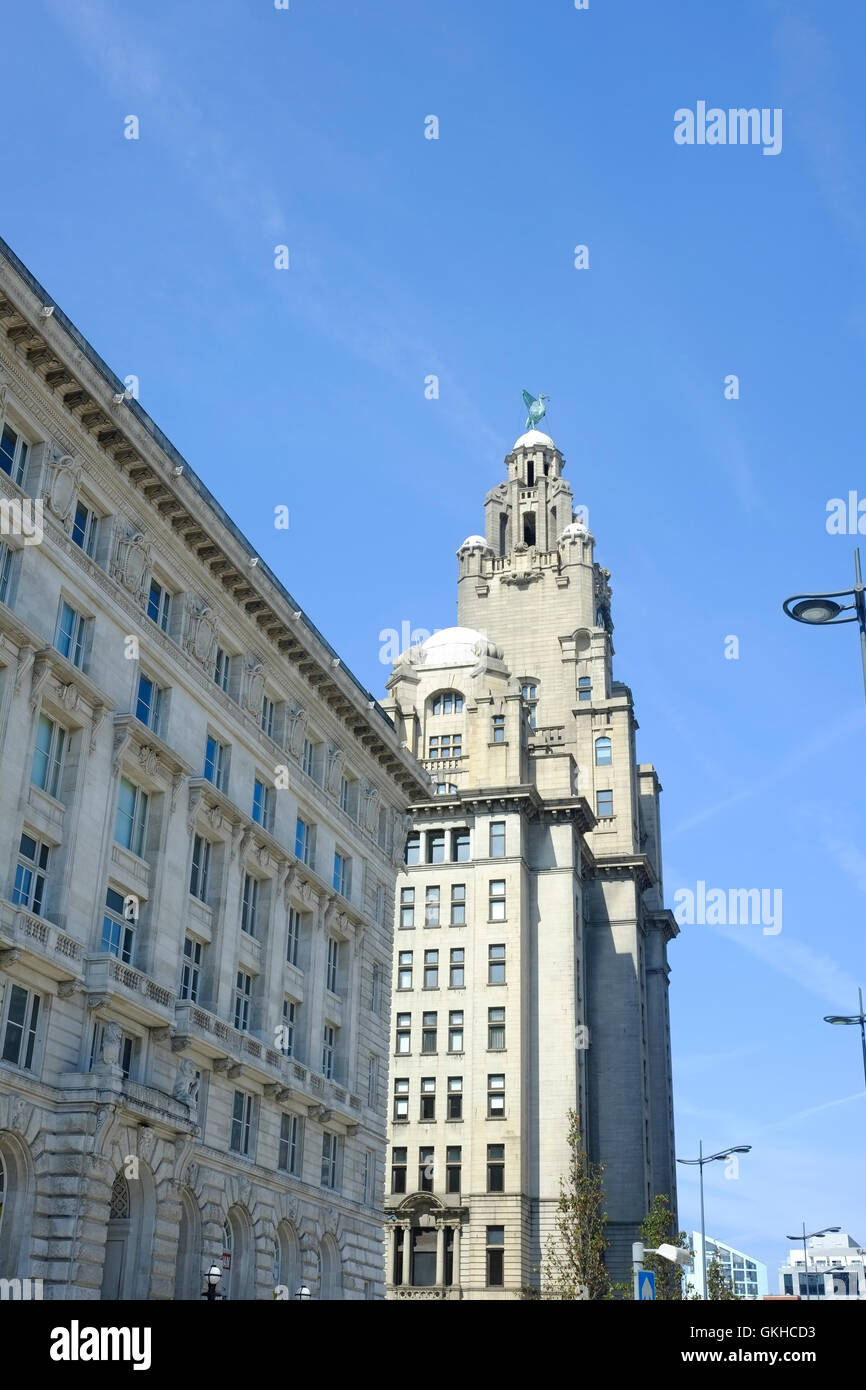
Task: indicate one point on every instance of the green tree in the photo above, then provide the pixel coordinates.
(573, 1265)
(719, 1287)
(659, 1228)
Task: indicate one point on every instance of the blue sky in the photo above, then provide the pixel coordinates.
(455, 257)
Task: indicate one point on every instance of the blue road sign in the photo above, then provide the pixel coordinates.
(646, 1284)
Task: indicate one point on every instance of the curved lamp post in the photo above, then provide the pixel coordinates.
(822, 609)
(825, 1231)
(853, 1019)
(700, 1161)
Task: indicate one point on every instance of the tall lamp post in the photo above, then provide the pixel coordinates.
(853, 1018)
(825, 1231)
(823, 609)
(700, 1161)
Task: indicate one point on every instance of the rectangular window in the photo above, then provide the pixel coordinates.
(455, 1097)
(431, 969)
(495, 1167)
(159, 605)
(349, 796)
(305, 843)
(407, 907)
(460, 846)
(190, 971)
(333, 964)
(249, 904)
(222, 669)
(376, 989)
(496, 1096)
(458, 904)
(5, 572)
(497, 839)
(329, 1047)
(603, 752)
(404, 970)
(379, 908)
(243, 998)
(147, 703)
(368, 1186)
(413, 848)
(435, 846)
(22, 1021)
(13, 454)
(398, 1170)
(289, 1157)
(497, 900)
(452, 1168)
(431, 905)
(455, 1030)
(266, 719)
(215, 762)
(309, 759)
(31, 873)
(428, 1032)
(117, 930)
(446, 746)
(428, 1097)
(404, 1034)
(401, 1098)
(495, 1257)
(293, 940)
(342, 874)
(71, 632)
(426, 1168)
(496, 1030)
(456, 978)
(200, 871)
(48, 756)
(604, 804)
(84, 529)
(496, 965)
(499, 728)
(329, 1160)
(373, 1082)
(263, 804)
(584, 688)
(242, 1118)
(130, 822)
(287, 1032)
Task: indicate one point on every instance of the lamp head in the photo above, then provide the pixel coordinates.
(816, 610)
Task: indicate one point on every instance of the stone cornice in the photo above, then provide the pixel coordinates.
(636, 866)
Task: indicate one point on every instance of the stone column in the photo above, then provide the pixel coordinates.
(407, 1252)
(390, 1247)
(455, 1258)
(440, 1254)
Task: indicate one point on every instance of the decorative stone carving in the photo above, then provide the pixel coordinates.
(112, 1040)
(245, 1192)
(69, 697)
(41, 672)
(371, 807)
(19, 1114)
(195, 798)
(202, 630)
(336, 758)
(121, 743)
(4, 389)
(295, 726)
(190, 1177)
(286, 880)
(26, 657)
(254, 684)
(146, 1142)
(62, 476)
(186, 1085)
(149, 760)
(402, 825)
(131, 561)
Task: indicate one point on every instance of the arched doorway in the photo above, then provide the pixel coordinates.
(189, 1281)
(331, 1282)
(129, 1236)
(287, 1258)
(16, 1205)
(238, 1282)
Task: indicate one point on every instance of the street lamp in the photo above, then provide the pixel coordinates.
(853, 1018)
(213, 1277)
(303, 1292)
(700, 1161)
(824, 1232)
(823, 608)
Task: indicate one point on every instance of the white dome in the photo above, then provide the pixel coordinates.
(453, 646)
(575, 530)
(533, 439)
(472, 541)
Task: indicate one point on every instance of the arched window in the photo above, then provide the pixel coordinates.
(602, 752)
(447, 702)
(329, 1264)
(189, 1272)
(287, 1258)
(529, 695)
(503, 532)
(238, 1281)
(15, 1207)
(129, 1236)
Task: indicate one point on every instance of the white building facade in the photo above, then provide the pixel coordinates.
(834, 1268)
(746, 1275)
(530, 967)
(201, 817)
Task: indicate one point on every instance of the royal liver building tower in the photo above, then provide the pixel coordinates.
(530, 967)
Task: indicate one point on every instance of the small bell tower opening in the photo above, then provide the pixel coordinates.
(529, 528)
(530, 473)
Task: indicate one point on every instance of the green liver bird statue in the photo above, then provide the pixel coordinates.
(536, 407)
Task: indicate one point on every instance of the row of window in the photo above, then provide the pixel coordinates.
(427, 1168)
(458, 843)
(430, 1031)
(405, 968)
(454, 1098)
(496, 901)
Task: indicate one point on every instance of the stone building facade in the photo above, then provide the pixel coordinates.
(530, 967)
(201, 818)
